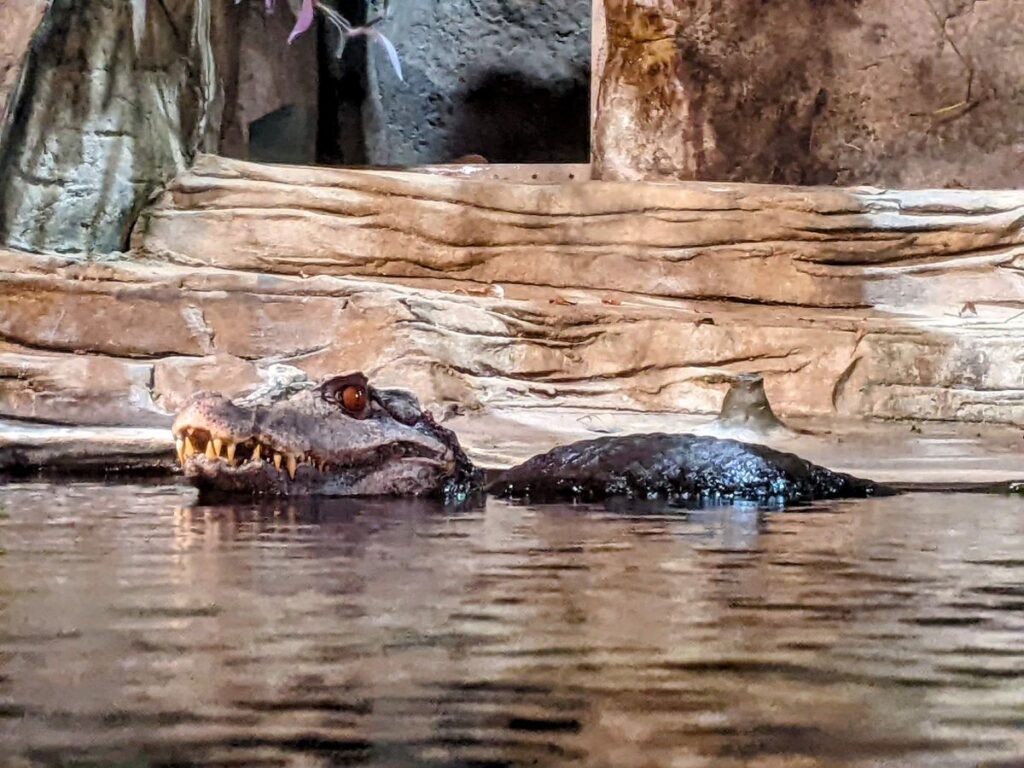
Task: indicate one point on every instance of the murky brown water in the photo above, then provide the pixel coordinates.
(137, 630)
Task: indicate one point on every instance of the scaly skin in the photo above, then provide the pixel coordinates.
(677, 467)
(346, 438)
(309, 445)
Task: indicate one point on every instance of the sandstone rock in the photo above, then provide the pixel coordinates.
(746, 406)
(18, 22)
(454, 349)
(520, 173)
(807, 92)
(848, 300)
(822, 247)
(589, 300)
(76, 389)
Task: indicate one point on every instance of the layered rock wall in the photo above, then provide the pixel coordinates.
(535, 291)
(480, 294)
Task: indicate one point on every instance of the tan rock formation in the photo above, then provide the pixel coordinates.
(828, 248)
(18, 21)
(613, 296)
(913, 94)
(100, 450)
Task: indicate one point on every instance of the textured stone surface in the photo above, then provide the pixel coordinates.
(105, 450)
(857, 302)
(822, 248)
(18, 22)
(507, 79)
(98, 125)
(917, 94)
(76, 389)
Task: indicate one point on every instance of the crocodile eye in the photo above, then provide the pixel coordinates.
(349, 393)
(353, 398)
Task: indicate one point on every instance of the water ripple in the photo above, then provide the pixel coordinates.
(139, 629)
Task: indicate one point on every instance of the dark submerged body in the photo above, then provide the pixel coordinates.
(662, 466)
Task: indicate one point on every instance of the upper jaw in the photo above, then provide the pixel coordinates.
(234, 453)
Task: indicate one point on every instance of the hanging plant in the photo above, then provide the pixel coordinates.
(307, 13)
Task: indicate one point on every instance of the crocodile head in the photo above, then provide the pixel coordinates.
(341, 438)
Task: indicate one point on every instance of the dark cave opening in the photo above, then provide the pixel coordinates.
(515, 119)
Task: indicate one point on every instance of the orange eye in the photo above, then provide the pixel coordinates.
(353, 398)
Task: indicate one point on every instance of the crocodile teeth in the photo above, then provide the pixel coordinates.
(179, 446)
(217, 445)
(209, 451)
(231, 452)
(256, 452)
(277, 460)
(190, 449)
(292, 465)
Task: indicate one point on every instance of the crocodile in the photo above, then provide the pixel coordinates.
(346, 437)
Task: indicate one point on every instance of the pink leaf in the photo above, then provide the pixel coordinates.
(392, 53)
(304, 22)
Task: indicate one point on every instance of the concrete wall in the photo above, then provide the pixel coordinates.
(506, 79)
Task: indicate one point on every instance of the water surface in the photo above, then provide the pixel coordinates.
(138, 629)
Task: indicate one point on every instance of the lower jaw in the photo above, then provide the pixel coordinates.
(215, 481)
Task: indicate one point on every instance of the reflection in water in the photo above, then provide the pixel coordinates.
(136, 629)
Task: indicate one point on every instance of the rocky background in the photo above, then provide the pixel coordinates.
(922, 94)
(928, 93)
(524, 293)
(94, 126)
(527, 315)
